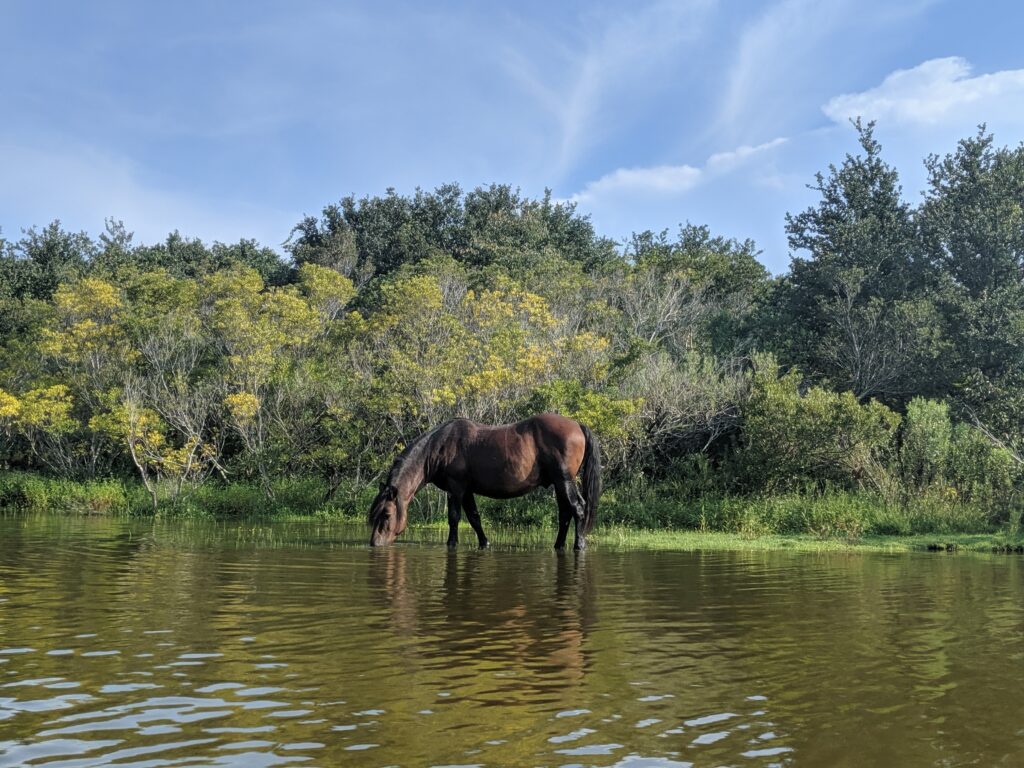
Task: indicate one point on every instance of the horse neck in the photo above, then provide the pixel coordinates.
(408, 479)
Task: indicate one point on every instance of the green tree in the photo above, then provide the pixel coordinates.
(854, 312)
(972, 222)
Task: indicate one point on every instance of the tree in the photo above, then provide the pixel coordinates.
(972, 223)
(169, 410)
(189, 257)
(492, 226)
(698, 291)
(43, 259)
(854, 312)
(85, 347)
(329, 242)
(265, 336)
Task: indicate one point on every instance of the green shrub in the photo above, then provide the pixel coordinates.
(25, 492)
(927, 437)
(793, 438)
(982, 473)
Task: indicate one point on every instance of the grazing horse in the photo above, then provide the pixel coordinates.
(463, 458)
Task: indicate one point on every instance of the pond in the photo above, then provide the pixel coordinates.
(160, 644)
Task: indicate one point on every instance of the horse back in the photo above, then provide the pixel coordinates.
(510, 459)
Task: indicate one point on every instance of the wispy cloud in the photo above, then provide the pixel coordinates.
(616, 54)
(932, 93)
(669, 180)
(789, 58)
(83, 185)
(769, 54)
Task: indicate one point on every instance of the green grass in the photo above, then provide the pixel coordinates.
(636, 516)
(630, 538)
(625, 538)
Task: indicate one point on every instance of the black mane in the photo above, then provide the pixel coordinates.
(411, 456)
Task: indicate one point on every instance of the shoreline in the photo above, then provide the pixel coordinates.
(651, 520)
(286, 530)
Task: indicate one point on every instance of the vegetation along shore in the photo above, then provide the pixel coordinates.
(875, 389)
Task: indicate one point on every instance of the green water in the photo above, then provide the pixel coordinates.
(183, 645)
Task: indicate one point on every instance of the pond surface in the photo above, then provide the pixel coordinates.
(136, 644)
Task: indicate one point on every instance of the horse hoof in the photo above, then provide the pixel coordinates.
(484, 545)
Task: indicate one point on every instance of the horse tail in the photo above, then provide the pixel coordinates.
(591, 480)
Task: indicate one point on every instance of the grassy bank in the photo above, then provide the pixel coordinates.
(636, 516)
(631, 538)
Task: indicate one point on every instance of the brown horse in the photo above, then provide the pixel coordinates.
(464, 458)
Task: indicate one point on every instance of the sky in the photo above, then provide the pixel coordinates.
(230, 120)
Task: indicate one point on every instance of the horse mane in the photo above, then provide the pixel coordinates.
(411, 456)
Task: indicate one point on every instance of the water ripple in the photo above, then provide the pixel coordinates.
(182, 644)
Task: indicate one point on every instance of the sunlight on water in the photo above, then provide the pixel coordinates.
(142, 645)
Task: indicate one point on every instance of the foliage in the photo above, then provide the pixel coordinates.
(858, 304)
(924, 453)
(792, 438)
(876, 386)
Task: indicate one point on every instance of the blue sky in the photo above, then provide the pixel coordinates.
(228, 120)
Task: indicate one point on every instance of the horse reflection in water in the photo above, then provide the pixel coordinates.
(388, 574)
(464, 458)
(505, 625)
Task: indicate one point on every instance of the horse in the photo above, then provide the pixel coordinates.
(464, 458)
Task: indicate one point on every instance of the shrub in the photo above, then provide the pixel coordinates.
(927, 436)
(981, 472)
(792, 439)
(25, 492)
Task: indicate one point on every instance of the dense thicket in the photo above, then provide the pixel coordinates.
(889, 358)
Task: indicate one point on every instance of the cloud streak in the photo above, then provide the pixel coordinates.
(770, 59)
(617, 56)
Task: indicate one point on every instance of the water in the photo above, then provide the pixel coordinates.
(185, 645)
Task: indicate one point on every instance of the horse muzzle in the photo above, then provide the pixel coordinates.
(381, 538)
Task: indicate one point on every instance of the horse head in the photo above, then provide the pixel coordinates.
(387, 517)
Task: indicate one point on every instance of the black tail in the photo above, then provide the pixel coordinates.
(591, 480)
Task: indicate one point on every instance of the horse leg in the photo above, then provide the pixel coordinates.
(570, 508)
(469, 504)
(454, 515)
(564, 516)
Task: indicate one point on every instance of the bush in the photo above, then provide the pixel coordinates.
(927, 435)
(25, 492)
(793, 439)
(981, 472)
(292, 496)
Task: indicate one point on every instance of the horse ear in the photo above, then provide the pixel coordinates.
(390, 493)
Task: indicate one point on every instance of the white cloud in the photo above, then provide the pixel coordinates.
(660, 179)
(723, 161)
(934, 92)
(669, 180)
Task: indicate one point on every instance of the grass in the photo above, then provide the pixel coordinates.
(634, 517)
(619, 537)
(629, 538)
